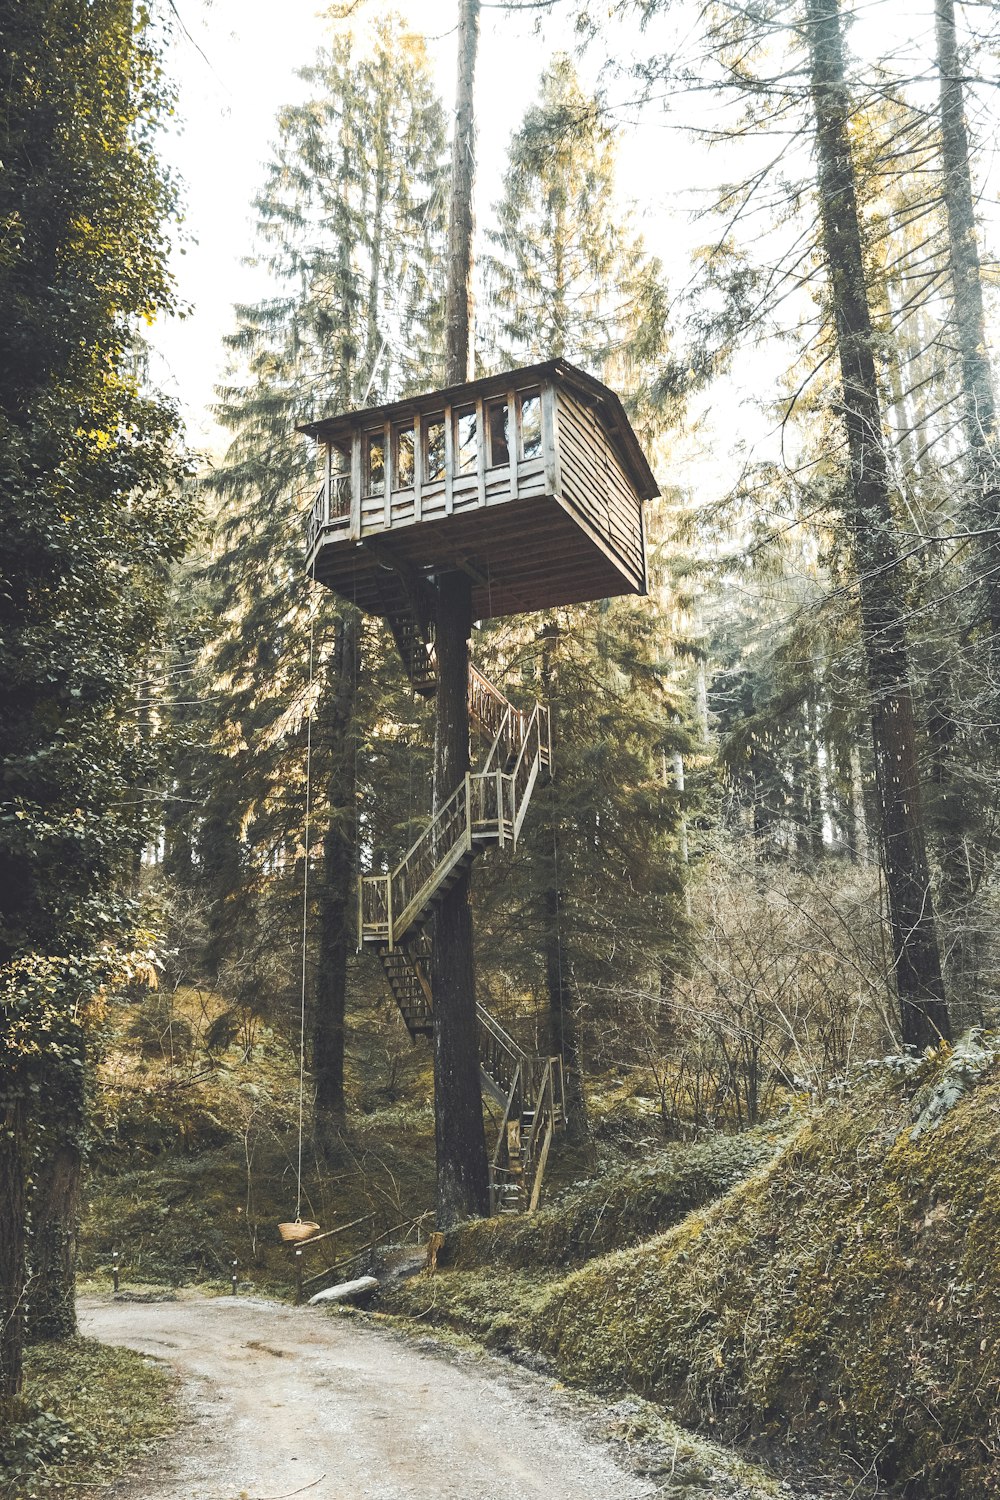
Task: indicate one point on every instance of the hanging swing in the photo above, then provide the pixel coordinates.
(297, 1230)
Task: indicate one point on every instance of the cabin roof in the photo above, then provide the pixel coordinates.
(607, 405)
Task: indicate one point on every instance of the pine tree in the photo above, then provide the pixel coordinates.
(350, 223)
(569, 277)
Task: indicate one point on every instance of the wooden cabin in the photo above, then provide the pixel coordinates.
(531, 482)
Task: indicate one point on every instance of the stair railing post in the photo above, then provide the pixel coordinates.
(388, 909)
(500, 828)
(361, 913)
(468, 811)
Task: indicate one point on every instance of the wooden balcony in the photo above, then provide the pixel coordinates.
(531, 481)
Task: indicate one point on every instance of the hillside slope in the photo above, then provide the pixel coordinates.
(842, 1300)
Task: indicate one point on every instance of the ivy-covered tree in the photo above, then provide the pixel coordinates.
(93, 512)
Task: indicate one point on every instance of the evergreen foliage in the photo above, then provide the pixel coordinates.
(349, 225)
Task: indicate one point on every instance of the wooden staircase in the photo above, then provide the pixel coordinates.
(529, 1091)
(486, 809)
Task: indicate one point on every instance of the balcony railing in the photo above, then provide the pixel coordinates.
(332, 507)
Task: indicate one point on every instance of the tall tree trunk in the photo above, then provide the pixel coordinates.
(915, 949)
(965, 855)
(336, 905)
(458, 298)
(462, 1171)
(13, 1154)
(979, 396)
(564, 1022)
(55, 1207)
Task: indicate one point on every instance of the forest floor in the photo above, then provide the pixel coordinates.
(281, 1401)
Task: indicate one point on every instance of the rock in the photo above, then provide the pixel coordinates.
(396, 1263)
(348, 1291)
(969, 1061)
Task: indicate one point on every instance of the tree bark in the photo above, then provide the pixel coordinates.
(55, 1207)
(462, 1171)
(979, 396)
(336, 905)
(13, 1151)
(914, 939)
(458, 300)
(564, 1027)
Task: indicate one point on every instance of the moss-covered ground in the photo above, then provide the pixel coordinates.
(842, 1300)
(87, 1413)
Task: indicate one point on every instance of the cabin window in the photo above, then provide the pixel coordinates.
(375, 463)
(340, 482)
(402, 471)
(531, 426)
(466, 440)
(433, 450)
(498, 427)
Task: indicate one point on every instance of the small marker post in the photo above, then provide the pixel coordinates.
(298, 1275)
(235, 1276)
(114, 1269)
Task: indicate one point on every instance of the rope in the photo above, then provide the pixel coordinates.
(305, 920)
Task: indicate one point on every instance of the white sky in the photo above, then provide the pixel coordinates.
(229, 97)
(227, 108)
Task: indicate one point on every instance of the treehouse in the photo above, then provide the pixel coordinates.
(531, 482)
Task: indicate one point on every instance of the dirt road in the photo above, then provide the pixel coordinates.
(289, 1400)
(283, 1401)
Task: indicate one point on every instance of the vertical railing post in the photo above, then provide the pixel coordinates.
(327, 482)
(468, 811)
(388, 908)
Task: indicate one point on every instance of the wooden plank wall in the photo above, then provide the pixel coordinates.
(595, 483)
(577, 458)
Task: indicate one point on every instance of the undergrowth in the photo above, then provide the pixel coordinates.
(193, 1162)
(87, 1413)
(619, 1208)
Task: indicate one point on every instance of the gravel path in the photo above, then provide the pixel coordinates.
(287, 1400)
(284, 1401)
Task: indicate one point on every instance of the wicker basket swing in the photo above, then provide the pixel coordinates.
(298, 1230)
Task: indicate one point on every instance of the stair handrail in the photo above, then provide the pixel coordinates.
(390, 904)
(446, 837)
(500, 1057)
(544, 1122)
(500, 1160)
(487, 704)
(521, 778)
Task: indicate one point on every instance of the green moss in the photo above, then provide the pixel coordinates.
(843, 1300)
(88, 1412)
(624, 1206)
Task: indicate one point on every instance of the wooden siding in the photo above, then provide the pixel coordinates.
(595, 484)
(561, 527)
